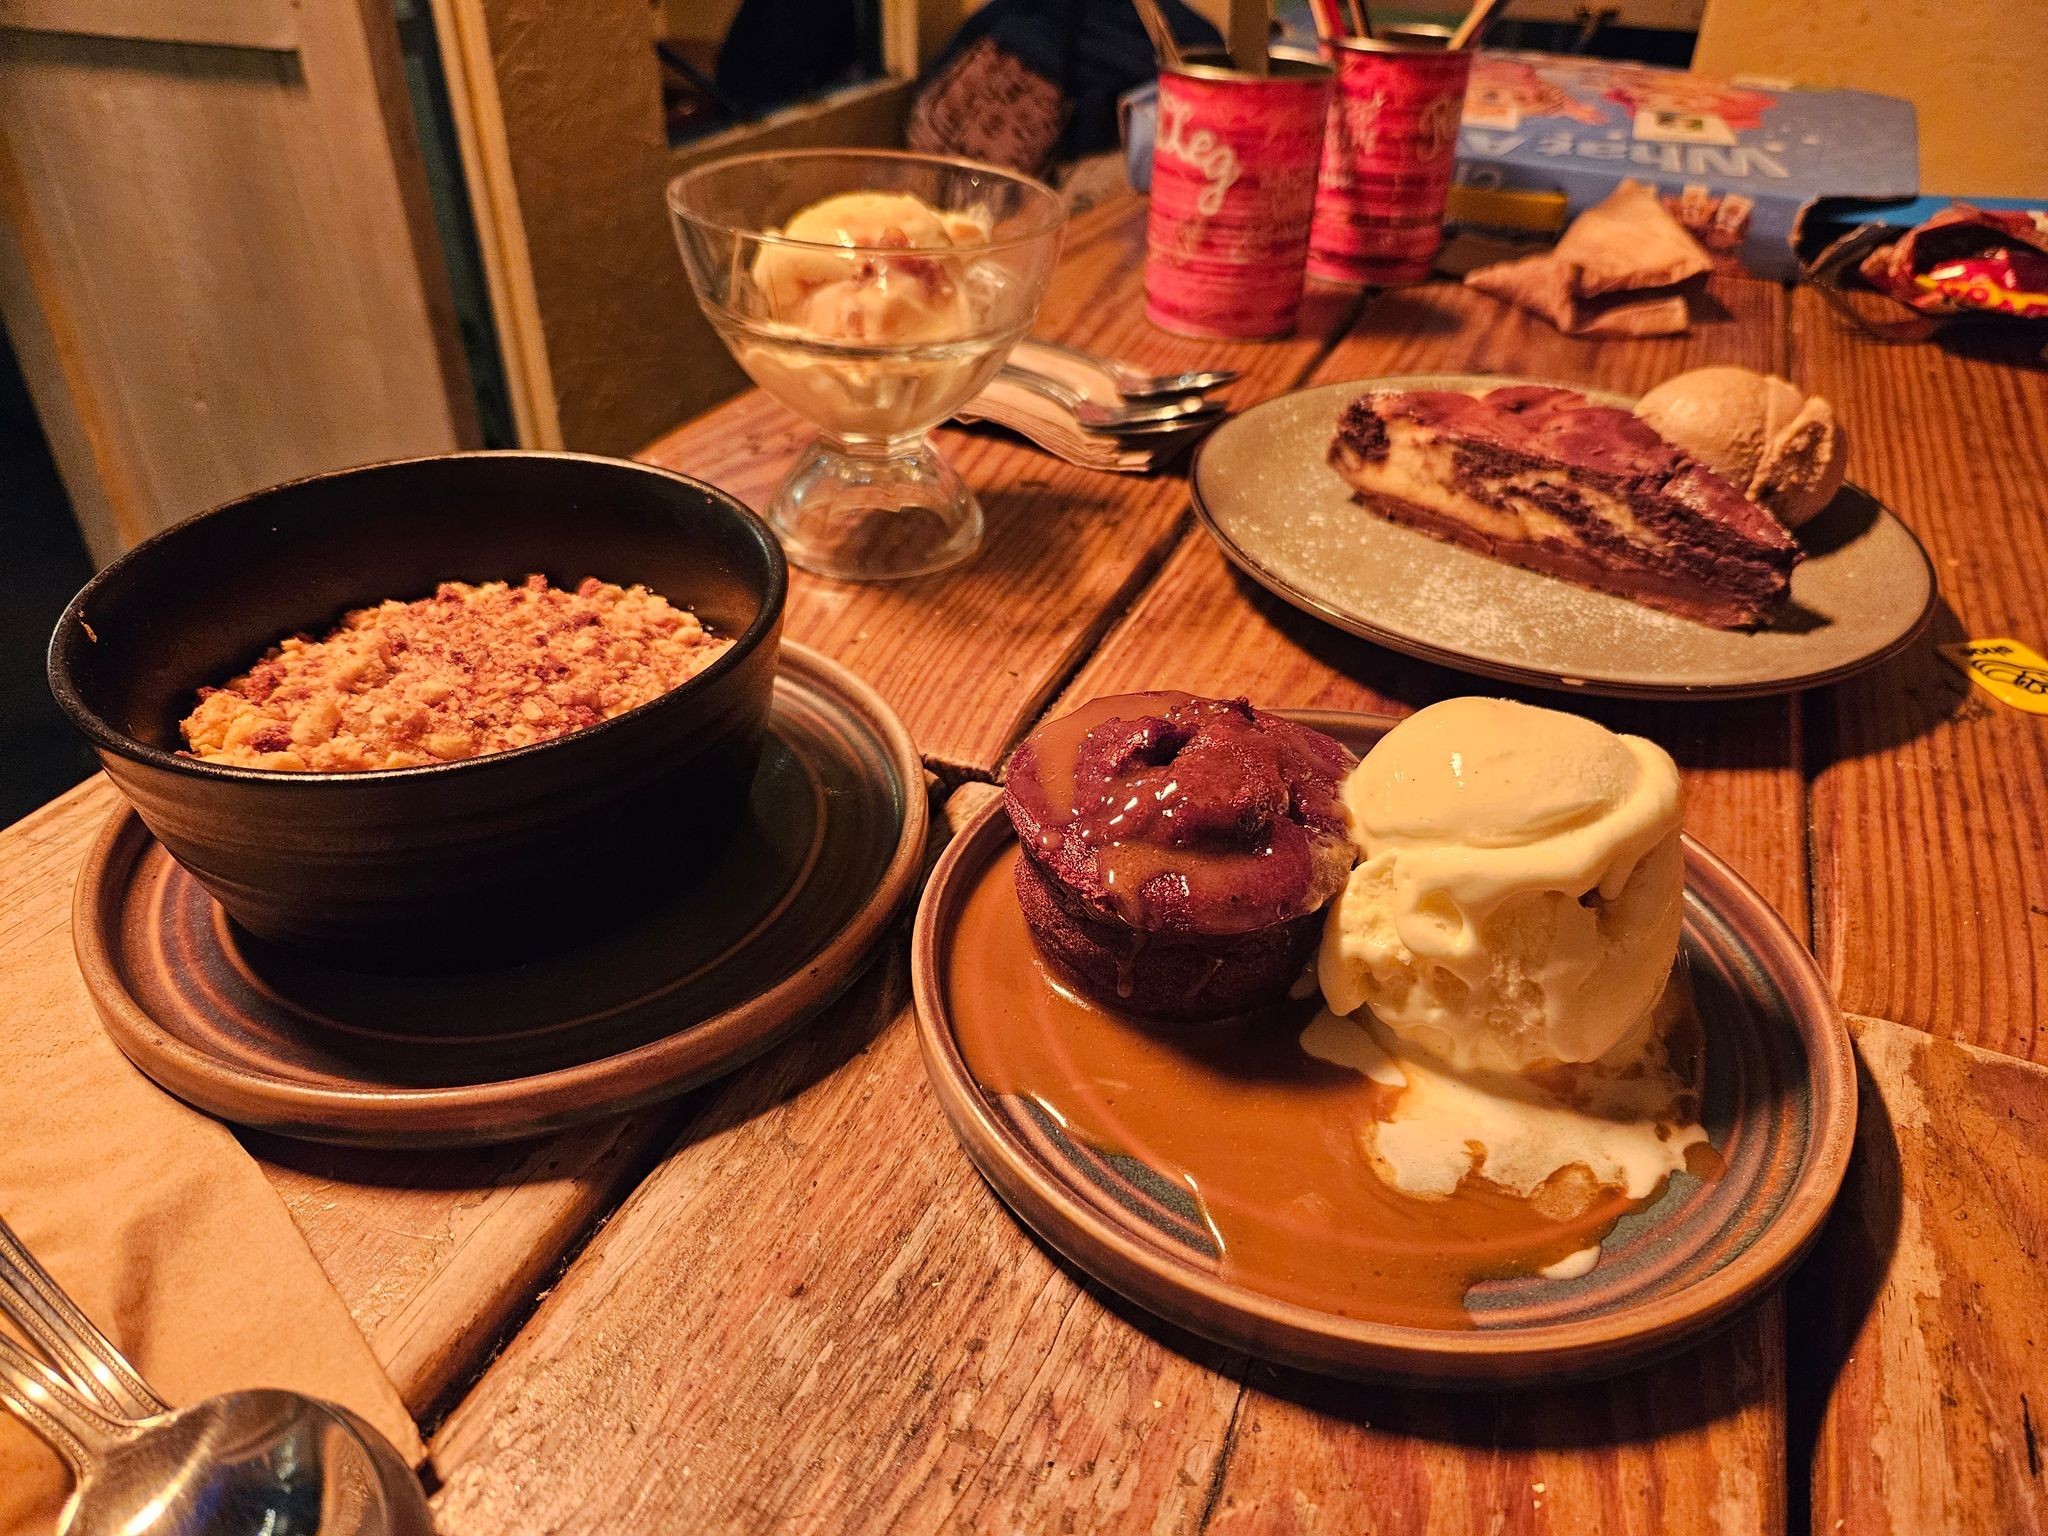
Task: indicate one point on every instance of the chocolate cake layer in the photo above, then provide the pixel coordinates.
(1181, 977)
(1544, 479)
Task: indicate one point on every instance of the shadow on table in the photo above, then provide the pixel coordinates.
(1993, 340)
(819, 1048)
(1032, 521)
(1409, 312)
(1709, 1382)
(1896, 702)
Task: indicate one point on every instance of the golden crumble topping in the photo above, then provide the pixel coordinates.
(470, 670)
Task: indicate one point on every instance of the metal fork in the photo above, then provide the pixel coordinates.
(251, 1460)
(81, 1354)
(1135, 384)
(1114, 418)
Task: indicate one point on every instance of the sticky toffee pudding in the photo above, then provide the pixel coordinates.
(1493, 1059)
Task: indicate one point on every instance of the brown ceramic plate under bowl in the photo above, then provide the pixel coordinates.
(1779, 1106)
(1267, 494)
(826, 853)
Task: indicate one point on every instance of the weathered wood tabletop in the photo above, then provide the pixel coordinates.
(787, 1302)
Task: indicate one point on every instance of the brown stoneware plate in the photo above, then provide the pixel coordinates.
(824, 856)
(1779, 1106)
(1264, 489)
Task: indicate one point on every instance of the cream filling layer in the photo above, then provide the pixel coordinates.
(1420, 467)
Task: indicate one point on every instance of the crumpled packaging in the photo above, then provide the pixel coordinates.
(161, 1227)
(1617, 271)
(1986, 260)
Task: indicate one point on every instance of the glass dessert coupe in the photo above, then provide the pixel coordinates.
(875, 315)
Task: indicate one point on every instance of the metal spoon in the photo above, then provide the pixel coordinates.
(1133, 383)
(1112, 418)
(261, 1461)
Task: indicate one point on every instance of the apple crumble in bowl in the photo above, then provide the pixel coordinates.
(474, 767)
(471, 670)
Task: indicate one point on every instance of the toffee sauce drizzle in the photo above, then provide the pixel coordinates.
(1267, 1137)
(1150, 820)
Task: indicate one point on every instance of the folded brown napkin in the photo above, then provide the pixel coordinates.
(160, 1226)
(1614, 272)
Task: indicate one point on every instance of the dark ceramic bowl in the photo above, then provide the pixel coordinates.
(452, 863)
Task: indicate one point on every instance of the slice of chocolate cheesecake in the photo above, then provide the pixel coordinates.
(1545, 479)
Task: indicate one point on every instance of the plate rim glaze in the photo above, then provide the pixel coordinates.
(511, 1108)
(1614, 685)
(1296, 1335)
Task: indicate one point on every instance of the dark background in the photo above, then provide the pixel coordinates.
(42, 563)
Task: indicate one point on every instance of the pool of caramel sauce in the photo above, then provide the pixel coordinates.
(1267, 1137)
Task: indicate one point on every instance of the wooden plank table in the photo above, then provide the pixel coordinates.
(786, 1301)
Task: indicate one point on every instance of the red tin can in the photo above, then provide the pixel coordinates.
(1388, 158)
(1234, 167)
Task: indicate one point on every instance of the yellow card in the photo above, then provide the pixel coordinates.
(2008, 671)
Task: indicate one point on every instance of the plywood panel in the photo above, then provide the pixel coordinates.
(221, 23)
(213, 246)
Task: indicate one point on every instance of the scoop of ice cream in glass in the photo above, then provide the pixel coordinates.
(874, 293)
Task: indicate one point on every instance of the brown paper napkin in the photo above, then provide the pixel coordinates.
(161, 1227)
(1615, 272)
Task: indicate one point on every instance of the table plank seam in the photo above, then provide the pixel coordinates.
(1219, 1474)
(493, 1342)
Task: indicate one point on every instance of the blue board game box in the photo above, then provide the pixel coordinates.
(1737, 164)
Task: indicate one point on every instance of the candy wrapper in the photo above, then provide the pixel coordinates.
(1968, 260)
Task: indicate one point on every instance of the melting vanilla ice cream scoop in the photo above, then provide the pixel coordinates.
(1502, 959)
(876, 314)
(863, 294)
(1518, 901)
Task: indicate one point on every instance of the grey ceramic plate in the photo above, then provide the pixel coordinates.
(1265, 490)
